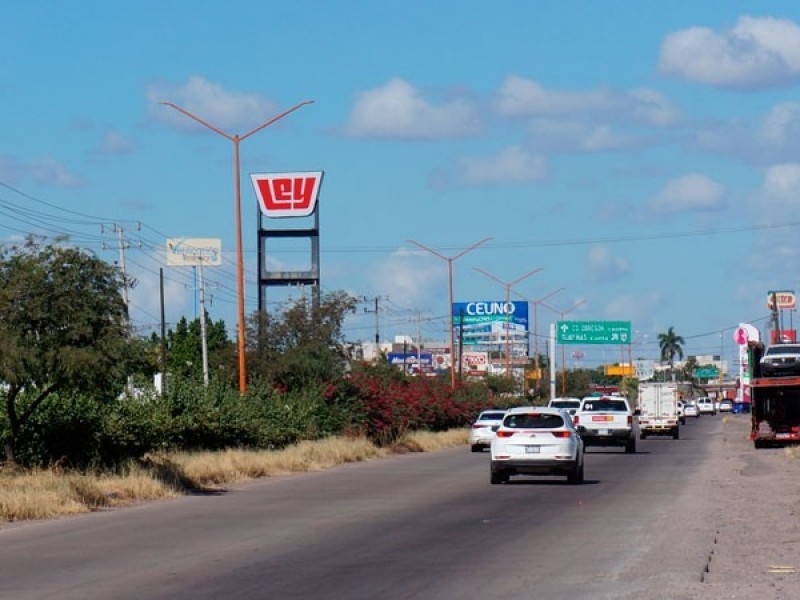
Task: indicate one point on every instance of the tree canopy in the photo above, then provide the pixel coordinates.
(63, 326)
(671, 345)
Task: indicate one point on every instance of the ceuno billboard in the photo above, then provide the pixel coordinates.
(287, 194)
(490, 311)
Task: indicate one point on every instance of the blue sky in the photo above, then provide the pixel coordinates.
(645, 156)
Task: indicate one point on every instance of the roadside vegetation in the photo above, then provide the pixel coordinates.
(53, 492)
(84, 426)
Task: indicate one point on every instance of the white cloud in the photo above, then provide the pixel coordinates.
(690, 193)
(639, 307)
(209, 101)
(577, 135)
(604, 266)
(775, 139)
(520, 97)
(512, 165)
(399, 110)
(411, 278)
(778, 197)
(757, 53)
(114, 142)
(51, 172)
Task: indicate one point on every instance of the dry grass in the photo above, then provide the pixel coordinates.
(45, 494)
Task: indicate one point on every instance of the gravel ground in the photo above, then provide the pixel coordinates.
(755, 495)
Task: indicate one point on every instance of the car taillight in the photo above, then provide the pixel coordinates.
(575, 419)
(630, 420)
(476, 426)
(561, 434)
(503, 434)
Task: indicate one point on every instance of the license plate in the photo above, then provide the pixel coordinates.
(531, 449)
(783, 436)
(604, 432)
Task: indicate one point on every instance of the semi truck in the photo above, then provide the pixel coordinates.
(658, 409)
(774, 405)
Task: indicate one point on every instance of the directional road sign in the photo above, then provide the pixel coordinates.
(593, 332)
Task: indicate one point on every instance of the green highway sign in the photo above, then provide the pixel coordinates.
(706, 372)
(593, 332)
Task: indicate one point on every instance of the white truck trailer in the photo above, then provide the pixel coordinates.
(658, 409)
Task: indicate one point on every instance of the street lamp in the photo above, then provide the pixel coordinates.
(450, 260)
(236, 139)
(508, 285)
(562, 314)
(536, 304)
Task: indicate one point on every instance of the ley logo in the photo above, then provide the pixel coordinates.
(287, 194)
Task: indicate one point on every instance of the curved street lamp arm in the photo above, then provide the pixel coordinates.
(275, 118)
(198, 119)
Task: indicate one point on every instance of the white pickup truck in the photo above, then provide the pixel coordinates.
(607, 421)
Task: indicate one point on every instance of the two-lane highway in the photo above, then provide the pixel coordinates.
(423, 526)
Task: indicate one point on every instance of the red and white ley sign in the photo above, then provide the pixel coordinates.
(287, 194)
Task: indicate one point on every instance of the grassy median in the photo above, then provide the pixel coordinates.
(49, 493)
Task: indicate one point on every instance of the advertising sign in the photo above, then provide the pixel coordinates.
(194, 252)
(287, 194)
(593, 332)
(490, 311)
(784, 299)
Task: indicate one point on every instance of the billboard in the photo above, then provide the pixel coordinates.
(490, 311)
(194, 252)
(283, 195)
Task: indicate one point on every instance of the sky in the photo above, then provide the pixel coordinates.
(642, 158)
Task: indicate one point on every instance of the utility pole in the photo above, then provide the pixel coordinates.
(376, 310)
(121, 246)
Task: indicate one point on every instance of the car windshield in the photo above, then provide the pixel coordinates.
(783, 349)
(565, 403)
(533, 421)
(604, 405)
(491, 416)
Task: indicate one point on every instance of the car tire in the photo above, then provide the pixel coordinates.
(477, 448)
(498, 477)
(630, 447)
(676, 435)
(575, 476)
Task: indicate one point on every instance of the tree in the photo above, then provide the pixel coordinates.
(304, 344)
(63, 327)
(671, 345)
(185, 357)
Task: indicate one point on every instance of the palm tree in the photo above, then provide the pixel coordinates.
(670, 344)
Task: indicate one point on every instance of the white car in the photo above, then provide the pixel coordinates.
(571, 404)
(690, 409)
(725, 405)
(705, 406)
(536, 440)
(482, 431)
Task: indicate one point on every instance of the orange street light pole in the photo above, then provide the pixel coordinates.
(450, 260)
(236, 139)
(562, 313)
(508, 285)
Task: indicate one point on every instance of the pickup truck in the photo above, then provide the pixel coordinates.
(607, 421)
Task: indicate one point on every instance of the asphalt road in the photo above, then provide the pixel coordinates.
(416, 526)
